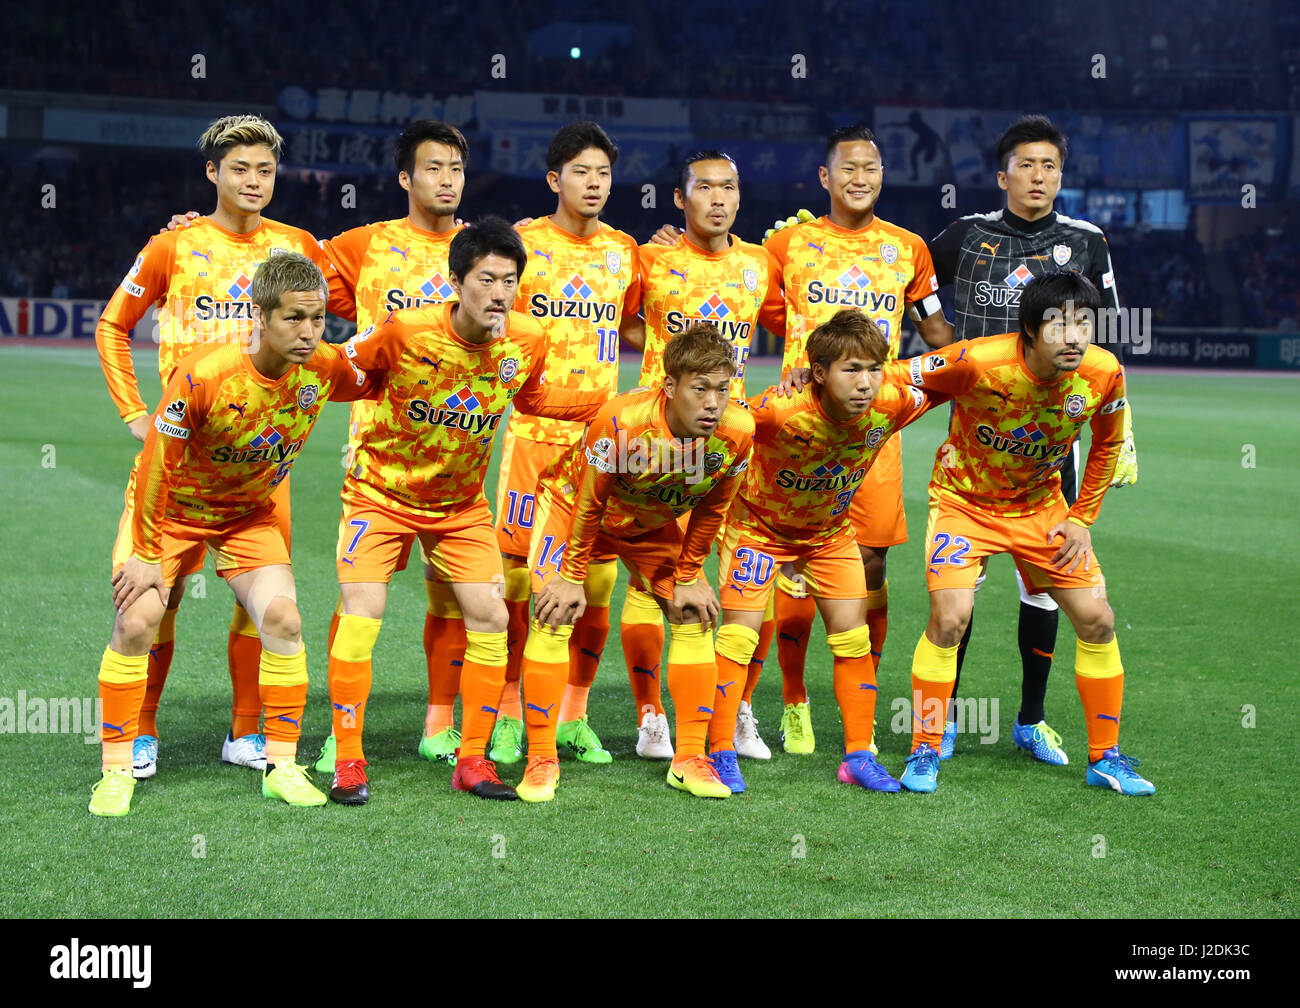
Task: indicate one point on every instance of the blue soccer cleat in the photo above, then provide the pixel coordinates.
(862, 769)
(922, 773)
(144, 756)
(1115, 771)
(728, 770)
(948, 743)
(1043, 743)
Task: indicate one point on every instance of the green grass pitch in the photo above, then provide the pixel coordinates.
(1201, 558)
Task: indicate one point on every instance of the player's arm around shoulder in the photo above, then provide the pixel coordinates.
(379, 347)
(345, 382)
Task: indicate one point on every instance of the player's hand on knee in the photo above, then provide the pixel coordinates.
(134, 579)
(1076, 547)
(801, 217)
(179, 221)
(560, 603)
(667, 235)
(695, 601)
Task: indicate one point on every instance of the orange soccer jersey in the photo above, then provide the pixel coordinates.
(225, 436)
(1011, 432)
(440, 405)
(629, 477)
(578, 290)
(201, 278)
(735, 289)
(879, 269)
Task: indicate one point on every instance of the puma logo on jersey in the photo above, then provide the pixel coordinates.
(821, 249)
(544, 255)
(400, 252)
(991, 248)
(206, 256)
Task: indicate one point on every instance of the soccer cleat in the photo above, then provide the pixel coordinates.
(350, 785)
(1115, 771)
(652, 738)
(1041, 741)
(696, 775)
(507, 743)
(478, 776)
(289, 783)
(327, 750)
(922, 773)
(441, 748)
(746, 738)
(728, 770)
(144, 758)
(948, 744)
(246, 751)
(797, 730)
(540, 778)
(862, 769)
(111, 796)
(579, 739)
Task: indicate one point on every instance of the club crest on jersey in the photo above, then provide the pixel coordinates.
(307, 396)
(889, 253)
(175, 410)
(508, 369)
(1061, 254)
(613, 263)
(1074, 406)
(713, 462)
(874, 436)
(751, 280)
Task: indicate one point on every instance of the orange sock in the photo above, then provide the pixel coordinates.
(122, 683)
(518, 599)
(350, 677)
(283, 685)
(794, 620)
(481, 680)
(641, 630)
(934, 671)
(692, 682)
(546, 667)
(726, 702)
(444, 654)
(511, 705)
(244, 657)
(1099, 676)
(855, 685)
(585, 648)
(160, 663)
(765, 634)
(878, 619)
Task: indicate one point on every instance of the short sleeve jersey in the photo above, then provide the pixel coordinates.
(735, 289)
(879, 270)
(578, 290)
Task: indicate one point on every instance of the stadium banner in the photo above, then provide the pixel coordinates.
(720, 119)
(55, 318)
(364, 106)
(364, 150)
(123, 129)
(1227, 153)
(1124, 152)
(932, 147)
(1171, 346)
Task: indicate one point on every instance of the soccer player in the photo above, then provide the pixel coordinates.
(708, 276)
(451, 371)
(812, 454)
(231, 423)
(384, 267)
(199, 277)
(581, 286)
(851, 259)
(647, 459)
(1020, 400)
(988, 258)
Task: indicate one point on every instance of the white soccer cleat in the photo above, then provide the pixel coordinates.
(652, 738)
(144, 756)
(747, 740)
(246, 751)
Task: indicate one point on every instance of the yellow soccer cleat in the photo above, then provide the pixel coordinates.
(697, 776)
(289, 783)
(801, 217)
(540, 777)
(796, 730)
(112, 795)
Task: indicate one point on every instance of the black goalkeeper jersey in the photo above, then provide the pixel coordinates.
(988, 258)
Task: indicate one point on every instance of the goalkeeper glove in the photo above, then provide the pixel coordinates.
(802, 217)
(1126, 469)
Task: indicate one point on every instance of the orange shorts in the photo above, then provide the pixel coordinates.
(374, 541)
(959, 535)
(650, 559)
(190, 561)
(748, 563)
(876, 511)
(237, 547)
(522, 462)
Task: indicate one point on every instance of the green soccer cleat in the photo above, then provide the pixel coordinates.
(441, 748)
(112, 795)
(326, 762)
(796, 729)
(289, 783)
(579, 739)
(507, 743)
